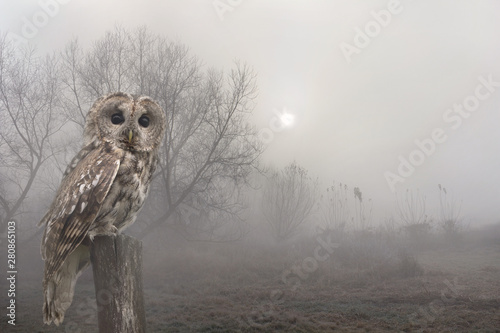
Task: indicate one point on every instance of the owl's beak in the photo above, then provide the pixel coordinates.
(130, 136)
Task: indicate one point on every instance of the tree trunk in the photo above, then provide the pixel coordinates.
(117, 266)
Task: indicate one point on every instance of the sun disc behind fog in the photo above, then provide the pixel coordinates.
(287, 119)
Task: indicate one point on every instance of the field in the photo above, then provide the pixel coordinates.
(366, 284)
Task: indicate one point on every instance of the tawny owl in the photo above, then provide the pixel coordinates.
(101, 192)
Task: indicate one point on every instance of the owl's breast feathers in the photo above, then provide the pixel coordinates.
(127, 193)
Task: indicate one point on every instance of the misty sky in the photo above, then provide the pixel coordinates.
(357, 112)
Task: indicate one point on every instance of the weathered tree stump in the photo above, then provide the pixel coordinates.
(117, 266)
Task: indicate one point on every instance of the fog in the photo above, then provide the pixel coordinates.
(355, 113)
(386, 96)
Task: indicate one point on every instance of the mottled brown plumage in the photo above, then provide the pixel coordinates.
(102, 190)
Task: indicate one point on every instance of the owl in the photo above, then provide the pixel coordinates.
(101, 192)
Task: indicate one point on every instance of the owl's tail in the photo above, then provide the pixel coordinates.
(58, 291)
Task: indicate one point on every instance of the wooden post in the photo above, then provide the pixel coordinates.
(117, 266)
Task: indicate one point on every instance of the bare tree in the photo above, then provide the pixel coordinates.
(450, 213)
(412, 211)
(209, 149)
(288, 200)
(411, 208)
(362, 210)
(74, 99)
(334, 208)
(29, 90)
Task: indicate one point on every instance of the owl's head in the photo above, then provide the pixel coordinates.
(128, 122)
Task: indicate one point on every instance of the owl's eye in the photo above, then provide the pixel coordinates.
(144, 121)
(117, 118)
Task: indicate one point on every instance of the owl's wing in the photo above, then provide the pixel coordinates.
(76, 205)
